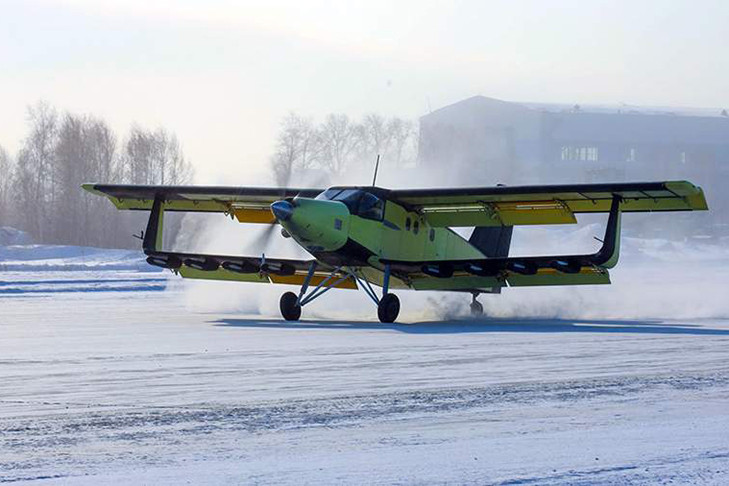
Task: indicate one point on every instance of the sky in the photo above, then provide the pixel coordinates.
(222, 74)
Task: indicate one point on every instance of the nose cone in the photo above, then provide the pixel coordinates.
(282, 210)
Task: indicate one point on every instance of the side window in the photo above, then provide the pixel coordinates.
(416, 227)
(432, 234)
(407, 224)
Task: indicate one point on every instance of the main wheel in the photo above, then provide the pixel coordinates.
(388, 308)
(290, 310)
(476, 309)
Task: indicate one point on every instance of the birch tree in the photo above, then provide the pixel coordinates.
(34, 186)
(6, 180)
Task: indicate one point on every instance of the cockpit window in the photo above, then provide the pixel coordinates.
(371, 207)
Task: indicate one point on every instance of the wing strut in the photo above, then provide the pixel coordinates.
(607, 256)
(152, 241)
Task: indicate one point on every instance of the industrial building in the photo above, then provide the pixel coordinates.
(483, 140)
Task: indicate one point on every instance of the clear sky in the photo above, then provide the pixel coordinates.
(222, 73)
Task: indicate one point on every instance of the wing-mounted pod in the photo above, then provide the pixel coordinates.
(607, 256)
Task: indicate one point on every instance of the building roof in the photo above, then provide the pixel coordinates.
(603, 123)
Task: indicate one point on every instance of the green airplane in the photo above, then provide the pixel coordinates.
(361, 237)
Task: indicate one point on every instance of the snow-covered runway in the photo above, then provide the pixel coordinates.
(111, 373)
(133, 387)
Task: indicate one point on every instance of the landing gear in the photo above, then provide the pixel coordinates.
(388, 308)
(476, 306)
(290, 308)
(291, 304)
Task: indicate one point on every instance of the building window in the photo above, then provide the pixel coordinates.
(407, 224)
(432, 234)
(630, 155)
(571, 152)
(416, 227)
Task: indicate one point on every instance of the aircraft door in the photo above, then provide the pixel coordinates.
(391, 233)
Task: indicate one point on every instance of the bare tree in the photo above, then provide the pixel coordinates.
(402, 133)
(99, 222)
(173, 168)
(374, 138)
(339, 140)
(138, 157)
(154, 157)
(6, 178)
(34, 187)
(70, 165)
(337, 144)
(85, 151)
(297, 147)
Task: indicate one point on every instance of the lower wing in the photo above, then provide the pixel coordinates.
(247, 269)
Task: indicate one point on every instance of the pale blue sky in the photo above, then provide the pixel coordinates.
(222, 73)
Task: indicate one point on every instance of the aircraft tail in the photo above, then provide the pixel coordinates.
(492, 241)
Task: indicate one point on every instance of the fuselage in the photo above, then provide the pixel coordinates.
(356, 226)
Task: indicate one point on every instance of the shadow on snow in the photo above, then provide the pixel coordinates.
(526, 325)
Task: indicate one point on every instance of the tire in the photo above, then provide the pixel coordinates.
(476, 309)
(388, 308)
(290, 310)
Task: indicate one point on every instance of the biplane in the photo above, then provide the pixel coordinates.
(367, 237)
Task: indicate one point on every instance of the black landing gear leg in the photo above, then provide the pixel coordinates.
(291, 303)
(476, 307)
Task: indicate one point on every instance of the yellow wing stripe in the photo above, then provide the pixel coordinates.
(296, 279)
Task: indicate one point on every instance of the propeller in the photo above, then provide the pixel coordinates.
(263, 239)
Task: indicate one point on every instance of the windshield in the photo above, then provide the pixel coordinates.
(329, 194)
(351, 198)
(371, 207)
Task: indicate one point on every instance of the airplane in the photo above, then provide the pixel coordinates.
(361, 237)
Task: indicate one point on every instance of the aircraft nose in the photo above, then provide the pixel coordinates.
(282, 210)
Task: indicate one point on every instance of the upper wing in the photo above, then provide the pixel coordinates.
(248, 204)
(555, 204)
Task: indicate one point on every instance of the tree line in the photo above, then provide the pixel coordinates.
(40, 187)
(338, 144)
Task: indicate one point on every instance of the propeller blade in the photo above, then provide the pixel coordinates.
(263, 239)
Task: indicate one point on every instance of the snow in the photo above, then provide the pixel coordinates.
(115, 373)
(12, 236)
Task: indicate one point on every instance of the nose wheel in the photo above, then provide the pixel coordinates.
(388, 308)
(289, 305)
